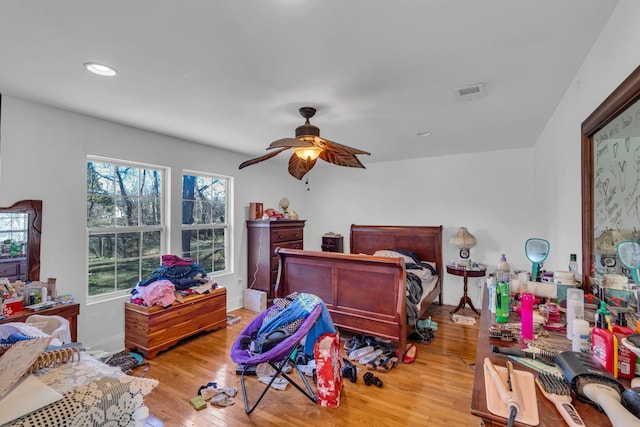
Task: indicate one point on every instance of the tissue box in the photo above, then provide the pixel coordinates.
(12, 306)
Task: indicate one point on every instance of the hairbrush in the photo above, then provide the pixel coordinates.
(558, 391)
(545, 356)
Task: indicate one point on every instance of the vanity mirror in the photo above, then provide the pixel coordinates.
(20, 228)
(611, 179)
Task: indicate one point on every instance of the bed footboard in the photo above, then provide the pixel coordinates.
(363, 293)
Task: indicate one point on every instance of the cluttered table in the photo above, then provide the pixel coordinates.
(547, 413)
(68, 311)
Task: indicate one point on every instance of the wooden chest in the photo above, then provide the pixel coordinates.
(150, 330)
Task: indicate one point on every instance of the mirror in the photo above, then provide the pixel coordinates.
(537, 250)
(20, 228)
(629, 256)
(610, 179)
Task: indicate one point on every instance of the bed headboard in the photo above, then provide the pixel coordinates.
(426, 241)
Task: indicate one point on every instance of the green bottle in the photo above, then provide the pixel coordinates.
(502, 302)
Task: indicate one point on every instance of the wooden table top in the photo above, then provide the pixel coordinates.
(549, 415)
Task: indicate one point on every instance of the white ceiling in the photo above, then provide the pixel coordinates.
(232, 74)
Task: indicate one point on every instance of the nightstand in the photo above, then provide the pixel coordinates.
(332, 243)
(465, 273)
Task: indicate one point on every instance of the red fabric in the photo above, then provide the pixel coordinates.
(173, 260)
(326, 352)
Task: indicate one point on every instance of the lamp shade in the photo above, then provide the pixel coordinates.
(463, 239)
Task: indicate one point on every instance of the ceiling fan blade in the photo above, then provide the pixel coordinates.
(299, 167)
(289, 143)
(339, 147)
(340, 158)
(261, 158)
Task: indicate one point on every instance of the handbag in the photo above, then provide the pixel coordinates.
(328, 369)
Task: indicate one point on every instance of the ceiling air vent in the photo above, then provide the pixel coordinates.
(471, 92)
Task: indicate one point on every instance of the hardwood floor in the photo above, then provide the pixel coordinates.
(433, 391)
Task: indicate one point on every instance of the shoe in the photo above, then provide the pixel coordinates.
(369, 379)
(387, 364)
(355, 340)
(378, 360)
(410, 353)
(427, 323)
(369, 357)
(358, 353)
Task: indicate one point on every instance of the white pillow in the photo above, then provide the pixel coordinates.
(392, 254)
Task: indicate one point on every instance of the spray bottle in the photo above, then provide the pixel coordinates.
(604, 345)
(626, 358)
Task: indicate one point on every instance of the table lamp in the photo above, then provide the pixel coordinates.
(464, 241)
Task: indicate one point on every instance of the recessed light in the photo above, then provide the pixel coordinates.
(100, 69)
(425, 133)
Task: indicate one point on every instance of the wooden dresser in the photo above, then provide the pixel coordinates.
(263, 239)
(150, 330)
(13, 269)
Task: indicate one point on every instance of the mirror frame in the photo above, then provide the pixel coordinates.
(616, 103)
(34, 227)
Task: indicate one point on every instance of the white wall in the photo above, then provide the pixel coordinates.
(43, 154)
(612, 58)
(489, 193)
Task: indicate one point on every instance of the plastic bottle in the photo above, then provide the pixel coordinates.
(581, 336)
(491, 286)
(604, 345)
(503, 268)
(526, 316)
(575, 308)
(573, 266)
(502, 302)
(43, 294)
(626, 358)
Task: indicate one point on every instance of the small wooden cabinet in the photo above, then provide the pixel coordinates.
(332, 243)
(13, 269)
(150, 330)
(262, 240)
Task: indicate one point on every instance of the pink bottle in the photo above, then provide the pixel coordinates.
(526, 316)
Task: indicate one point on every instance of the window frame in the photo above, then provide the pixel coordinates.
(226, 226)
(163, 227)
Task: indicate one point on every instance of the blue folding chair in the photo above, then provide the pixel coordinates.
(275, 357)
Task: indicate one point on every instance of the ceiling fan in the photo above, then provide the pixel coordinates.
(308, 146)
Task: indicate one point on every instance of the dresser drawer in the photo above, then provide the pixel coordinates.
(286, 235)
(12, 268)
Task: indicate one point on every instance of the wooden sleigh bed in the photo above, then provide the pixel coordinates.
(365, 293)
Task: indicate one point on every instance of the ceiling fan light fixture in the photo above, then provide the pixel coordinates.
(307, 153)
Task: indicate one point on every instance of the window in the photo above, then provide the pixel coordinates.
(205, 226)
(125, 224)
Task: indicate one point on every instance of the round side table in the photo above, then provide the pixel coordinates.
(465, 273)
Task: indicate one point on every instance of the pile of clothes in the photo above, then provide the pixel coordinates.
(174, 274)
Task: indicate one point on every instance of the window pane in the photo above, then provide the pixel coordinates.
(151, 212)
(219, 262)
(189, 243)
(126, 211)
(127, 181)
(151, 243)
(102, 247)
(128, 245)
(203, 212)
(100, 178)
(150, 183)
(148, 265)
(128, 274)
(100, 211)
(101, 278)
